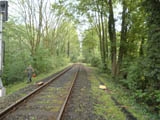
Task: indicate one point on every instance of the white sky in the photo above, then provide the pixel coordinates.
(81, 28)
(117, 15)
(13, 12)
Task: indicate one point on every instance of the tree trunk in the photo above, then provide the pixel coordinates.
(103, 42)
(68, 51)
(101, 33)
(112, 34)
(106, 39)
(100, 37)
(39, 35)
(123, 38)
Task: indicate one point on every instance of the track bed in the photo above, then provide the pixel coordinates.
(47, 103)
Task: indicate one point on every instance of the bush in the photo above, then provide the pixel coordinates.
(42, 62)
(95, 61)
(141, 87)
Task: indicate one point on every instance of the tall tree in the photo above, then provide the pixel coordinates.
(123, 36)
(112, 35)
(153, 56)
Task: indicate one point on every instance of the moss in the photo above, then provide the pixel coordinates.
(33, 118)
(44, 102)
(104, 106)
(123, 96)
(55, 109)
(22, 95)
(49, 96)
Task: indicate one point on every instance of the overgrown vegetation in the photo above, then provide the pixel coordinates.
(120, 94)
(12, 88)
(104, 107)
(40, 33)
(123, 37)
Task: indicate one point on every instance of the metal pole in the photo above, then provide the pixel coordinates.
(1, 51)
(2, 89)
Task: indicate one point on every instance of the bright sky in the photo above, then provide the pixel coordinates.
(117, 15)
(13, 11)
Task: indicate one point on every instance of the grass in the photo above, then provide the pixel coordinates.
(19, 85)
(123, 97)
(104, 107)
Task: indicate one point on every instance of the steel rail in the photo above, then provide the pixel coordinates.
(15, 105)
(60, 115)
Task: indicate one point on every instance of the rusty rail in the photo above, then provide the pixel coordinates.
(15, 105)
(60, 115)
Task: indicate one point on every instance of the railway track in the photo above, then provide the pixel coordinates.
(47, 101)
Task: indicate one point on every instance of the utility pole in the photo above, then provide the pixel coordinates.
(1, 63)
(3, 18)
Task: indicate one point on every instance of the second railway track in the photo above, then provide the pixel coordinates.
(46, 102)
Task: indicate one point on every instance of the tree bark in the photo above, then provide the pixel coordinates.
(68, 51)
(123, 38)
(103, 42)
(106, 38)
(112, 35)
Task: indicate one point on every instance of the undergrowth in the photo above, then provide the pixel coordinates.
(104, 106)
(124, 97)
(19, 85)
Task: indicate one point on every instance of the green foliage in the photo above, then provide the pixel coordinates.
(140, 70)
(50, 53)
(104, 107)
(42, 60)
(143, 71)
(90, 47)
(11, 88)
(143, 89)
(59, 44)
(135, 75)
(124, 97)
(152, 66)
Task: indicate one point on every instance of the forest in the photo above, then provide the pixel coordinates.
(123, 39)
(41, 38)
(120, 37)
